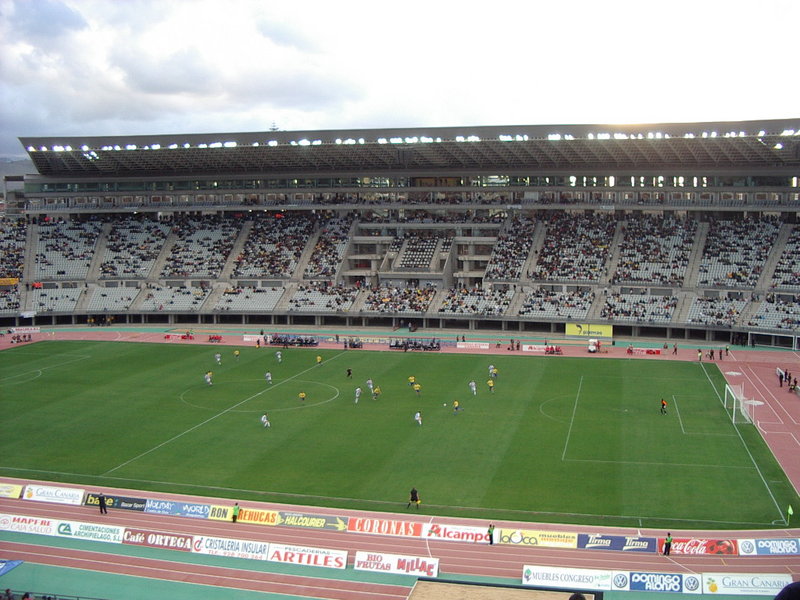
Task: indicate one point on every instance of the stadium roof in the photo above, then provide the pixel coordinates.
(531, 148)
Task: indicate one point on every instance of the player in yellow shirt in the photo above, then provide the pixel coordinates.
(490, 383)
(412, 380)
(319, 359)
(417, 388)
(236, 354)
(376, 392)
(302, 396)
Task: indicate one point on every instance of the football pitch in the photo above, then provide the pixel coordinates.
(572, 440)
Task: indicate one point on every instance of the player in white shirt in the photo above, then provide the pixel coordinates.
(491, 368)
(370, 385)
(418, 417)
(279, 356)
(473, 387)
(268, 377)
(358, 394)
(218, 358)
(265, 420)
(207, 377)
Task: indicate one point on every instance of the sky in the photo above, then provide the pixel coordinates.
(128, 67)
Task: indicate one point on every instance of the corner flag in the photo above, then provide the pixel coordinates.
(790, 511)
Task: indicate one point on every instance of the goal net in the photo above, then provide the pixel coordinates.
(736, 404)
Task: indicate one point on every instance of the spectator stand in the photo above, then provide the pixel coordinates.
(511, 250)
(736, 252)
(174, 299)
(786, 276)
(132, 247)
(716, 311)
(654, 250)
(64, 249)
(576, 248)
(476, 301)
(322, 296)
(249, 299)
(639, 308)
(202, 248)
(542, 303)
(274, 245)
(777, 311)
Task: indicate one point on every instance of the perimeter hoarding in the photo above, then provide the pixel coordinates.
(589, 331)
(398, 564)
(769, 547)
(58, 495)
(10, 490)
(566, 578)
(745, 584)
(528, 537)
(232, 548)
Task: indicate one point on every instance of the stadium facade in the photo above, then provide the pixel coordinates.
(682, 231)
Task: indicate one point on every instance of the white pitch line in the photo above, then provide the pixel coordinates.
(572, 419)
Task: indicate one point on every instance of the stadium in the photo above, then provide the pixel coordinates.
(452, 247)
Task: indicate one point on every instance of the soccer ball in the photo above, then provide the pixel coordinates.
(445, 404)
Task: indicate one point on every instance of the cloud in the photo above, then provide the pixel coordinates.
(45, 21)
(101, 67)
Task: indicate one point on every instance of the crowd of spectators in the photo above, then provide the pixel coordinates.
(250, 299)
(56, 300)
(133, 245)
(639, 308)
(203, 245)
(9, 300)
(736, 251)
(715, 311)
(556, 305)
(329, 250)
(576, 248)
(511, 250)
(111, 299)
(274, 246)
(655, 250)
(477, 301)
(171, 299)
(399, 300)
(65, 249)
(777, 312)
(787, 270)
(321, 296)
(13, 234)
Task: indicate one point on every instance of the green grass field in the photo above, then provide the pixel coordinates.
(578, 440)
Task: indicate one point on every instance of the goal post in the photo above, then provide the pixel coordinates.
(736, 404)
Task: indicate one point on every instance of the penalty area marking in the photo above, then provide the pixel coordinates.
(40, 371)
